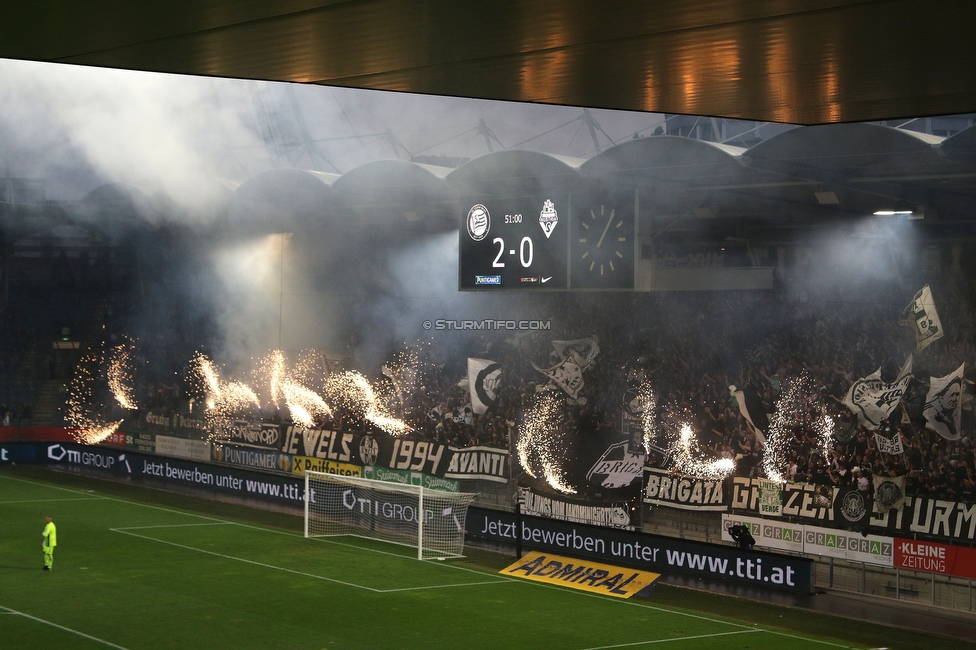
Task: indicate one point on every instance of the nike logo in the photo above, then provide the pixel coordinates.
(544, 280)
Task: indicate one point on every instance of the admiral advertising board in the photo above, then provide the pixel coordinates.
(641, 551)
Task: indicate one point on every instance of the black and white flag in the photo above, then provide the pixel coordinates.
(587, 349)
(872, 399)
(889, 493)
(484, 380)
(892, 445)
(943, 404)
(921, 316)
(751, 408)
(567, 374)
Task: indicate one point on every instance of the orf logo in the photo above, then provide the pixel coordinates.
(56, 452)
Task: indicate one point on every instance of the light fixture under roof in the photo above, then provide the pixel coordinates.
(891, 213)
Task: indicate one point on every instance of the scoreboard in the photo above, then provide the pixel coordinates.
(548, 242)
(514, 243)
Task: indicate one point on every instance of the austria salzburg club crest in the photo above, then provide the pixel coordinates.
(548, 218)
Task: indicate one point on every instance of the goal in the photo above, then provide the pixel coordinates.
(391, 512)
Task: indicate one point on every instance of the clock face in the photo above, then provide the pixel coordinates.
(603, 240)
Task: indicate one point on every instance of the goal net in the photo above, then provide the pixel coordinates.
(391, 512)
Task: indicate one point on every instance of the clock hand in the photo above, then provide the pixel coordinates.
(605, 229)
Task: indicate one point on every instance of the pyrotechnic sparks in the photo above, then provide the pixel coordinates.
(352, 392)
(225, 399)
(84, 405)
(689, 463)
(304, 404)
(540, 443)
(797, 406)
(646, 404)
(119, 373)
(825, 434)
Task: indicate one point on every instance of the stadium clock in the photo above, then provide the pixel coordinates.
(513, 243)
(603, 240)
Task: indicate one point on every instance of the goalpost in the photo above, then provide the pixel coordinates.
(391, 512)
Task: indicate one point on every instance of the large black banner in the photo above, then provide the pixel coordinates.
(824, 505)
(642, 551)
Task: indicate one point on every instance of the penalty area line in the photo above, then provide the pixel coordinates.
(61, 627)
(301, 573)
(673, 640)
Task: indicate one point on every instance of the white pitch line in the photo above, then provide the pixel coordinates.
(443, 564)
(209, 523)
(66, 629)
(301, 573)
(53, 500)
(680, 638)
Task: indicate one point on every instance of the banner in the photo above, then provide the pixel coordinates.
(935, 558)
(567, 374)
(684, 493)
(479, 463)
(302, 464)
(248, 457)
(642, 551)
(943, 404)
(616, 467)
(613, 515)
(586, 350)
(872, 400)
(484, 379)
(410, 478)
(143, 441)
(770, 498)
(268, 490)
(814, 540)
(776, 535)
(892, 445)
(889, 493)
(251, 434)
(807, 501)
(183, 448)
(594, 577)
(921, 316)
(852, 508)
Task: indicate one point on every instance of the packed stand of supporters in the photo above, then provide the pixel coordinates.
(691, 348)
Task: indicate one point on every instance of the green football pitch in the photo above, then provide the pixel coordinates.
(140, 569)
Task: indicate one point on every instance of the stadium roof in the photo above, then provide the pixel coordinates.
(800, 61)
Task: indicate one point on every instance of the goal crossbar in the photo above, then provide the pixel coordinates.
(412, 515)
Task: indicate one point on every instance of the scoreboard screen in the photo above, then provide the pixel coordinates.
(514, 243)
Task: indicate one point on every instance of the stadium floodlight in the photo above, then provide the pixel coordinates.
(410, 515)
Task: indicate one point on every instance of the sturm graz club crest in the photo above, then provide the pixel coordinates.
(479, 222)
(853, 507)
(369, 451)
(888, 495)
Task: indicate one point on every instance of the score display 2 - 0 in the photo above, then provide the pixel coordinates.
(514, 243)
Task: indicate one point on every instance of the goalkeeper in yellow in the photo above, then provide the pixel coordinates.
(50, 536)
